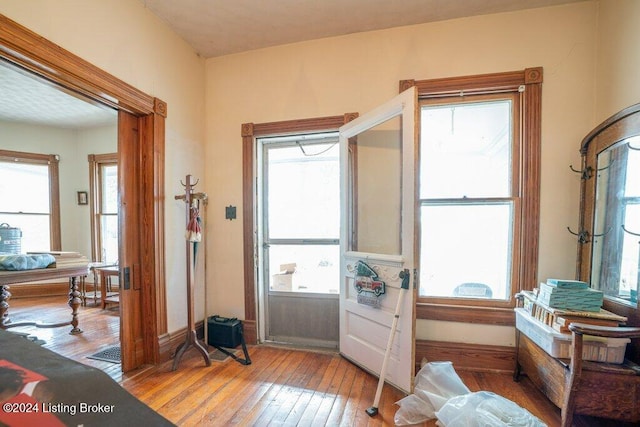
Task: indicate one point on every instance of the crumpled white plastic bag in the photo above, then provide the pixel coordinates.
(440, 393)
(435, 384)
(484, 409)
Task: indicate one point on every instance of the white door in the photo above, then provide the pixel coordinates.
(377, 233)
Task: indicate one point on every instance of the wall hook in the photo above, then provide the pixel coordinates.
(586, 173)
(583, 235)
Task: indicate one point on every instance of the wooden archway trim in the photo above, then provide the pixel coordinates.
(38, 55)
(34, 54)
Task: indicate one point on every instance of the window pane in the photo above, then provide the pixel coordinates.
(466, 150)
(20, 179)
(303, 191)
(35, 230)
(376, 189)
(109, 189)
(632, 185)
(630, 264)
(109, 235)
(304, 268)
(464, 244)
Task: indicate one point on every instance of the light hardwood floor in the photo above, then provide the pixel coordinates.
(281, 386)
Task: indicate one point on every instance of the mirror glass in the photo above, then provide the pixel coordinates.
(616, 229)
(375, 161)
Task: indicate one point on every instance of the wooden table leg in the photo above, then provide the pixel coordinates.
(103, 289)
(4, 305)
(74, 303)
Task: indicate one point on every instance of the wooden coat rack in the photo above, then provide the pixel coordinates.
(191, 339)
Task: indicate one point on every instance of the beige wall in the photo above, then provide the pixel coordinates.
(356, 72)
(618, 66)
(587, 49)
(128, 41)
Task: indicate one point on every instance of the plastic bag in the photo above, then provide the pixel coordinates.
(440, 393)
(485, 409)
(435, 384)
(413, 410)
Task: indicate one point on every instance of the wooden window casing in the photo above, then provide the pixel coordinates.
(96, 161)
(51, 160)
(527, 85)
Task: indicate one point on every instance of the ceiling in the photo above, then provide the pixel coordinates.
(221, 27)
(28, 99)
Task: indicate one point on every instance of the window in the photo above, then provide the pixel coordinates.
(478, 192)
(103, 169)
(30, 198)
(301, 211)
(468, 203)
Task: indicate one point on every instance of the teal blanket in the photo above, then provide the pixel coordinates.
(25, 262)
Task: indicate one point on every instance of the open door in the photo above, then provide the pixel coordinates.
(131, 331)
(377, 238)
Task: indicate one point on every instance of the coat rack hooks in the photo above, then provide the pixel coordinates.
(630, 232)
(192, 185)
(583, 235)
(586, 173)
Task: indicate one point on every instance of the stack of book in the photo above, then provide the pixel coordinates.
(570, 295)
(560, 319)
(66, 259)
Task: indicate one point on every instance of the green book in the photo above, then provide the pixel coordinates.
(567, 284)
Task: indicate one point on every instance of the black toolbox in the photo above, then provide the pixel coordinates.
(223, 333)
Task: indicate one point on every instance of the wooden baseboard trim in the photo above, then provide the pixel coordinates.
(475, 357)
(168, 343)
(250, 331)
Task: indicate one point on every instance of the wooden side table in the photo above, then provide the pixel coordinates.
(96, 294)
(108, 295)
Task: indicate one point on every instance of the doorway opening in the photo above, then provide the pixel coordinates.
(298, 225)
(141, 137)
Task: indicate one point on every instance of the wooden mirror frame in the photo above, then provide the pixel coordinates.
(618, 127)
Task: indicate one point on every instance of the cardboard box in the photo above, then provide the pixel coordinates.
(283, 280)
(597, 349)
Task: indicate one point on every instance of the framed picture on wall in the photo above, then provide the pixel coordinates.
(83, 198)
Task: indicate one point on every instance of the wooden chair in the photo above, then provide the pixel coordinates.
(577, 386)
(607, 390)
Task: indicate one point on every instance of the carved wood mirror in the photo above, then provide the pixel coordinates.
(609, 237)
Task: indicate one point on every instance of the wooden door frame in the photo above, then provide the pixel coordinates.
(249, 133)
(34, 54)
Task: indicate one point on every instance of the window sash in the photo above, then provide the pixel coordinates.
(317, 154)
(51, 161)
(466, 251)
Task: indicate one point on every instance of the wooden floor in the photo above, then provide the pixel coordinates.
(281, 386)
